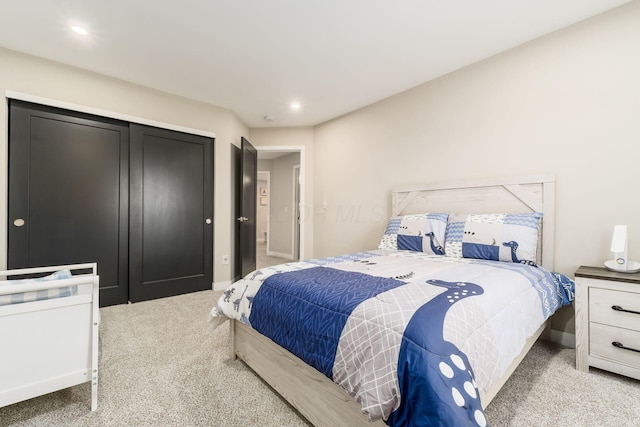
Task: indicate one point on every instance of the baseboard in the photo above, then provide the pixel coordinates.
(280, 255)
(563, 338)
(221, 286)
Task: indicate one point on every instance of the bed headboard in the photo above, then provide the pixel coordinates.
(496, 195)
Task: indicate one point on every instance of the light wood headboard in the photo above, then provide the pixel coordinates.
(497, 195)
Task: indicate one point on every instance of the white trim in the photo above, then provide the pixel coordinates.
(301, 150)
(563, 338)
(297, 213)
(104, 113)
(221, 286)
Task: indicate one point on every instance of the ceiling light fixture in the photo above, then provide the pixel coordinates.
(79, 30)
(295, 106)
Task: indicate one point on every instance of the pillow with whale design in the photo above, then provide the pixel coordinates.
(420, 233)
(501, 237)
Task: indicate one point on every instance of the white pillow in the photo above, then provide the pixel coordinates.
(497, 237)
(420, 233)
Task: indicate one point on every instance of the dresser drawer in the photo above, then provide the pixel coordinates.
(601, 337)
(600, 311)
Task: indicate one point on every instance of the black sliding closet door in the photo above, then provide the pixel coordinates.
(135, 199)
(69, 193)
(171, 213)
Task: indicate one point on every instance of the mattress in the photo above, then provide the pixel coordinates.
(18, 297)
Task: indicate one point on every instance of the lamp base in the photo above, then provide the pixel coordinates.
(629, 267)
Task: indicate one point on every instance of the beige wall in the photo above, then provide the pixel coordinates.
(566, 104)
(288, 137)
(27, 74)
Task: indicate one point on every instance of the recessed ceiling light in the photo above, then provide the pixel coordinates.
(79, 30)
(295, 106)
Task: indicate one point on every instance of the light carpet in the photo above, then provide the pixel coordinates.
(161, 364)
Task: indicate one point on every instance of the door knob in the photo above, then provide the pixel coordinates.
(243, 219)
(19, 222)
(208, 220)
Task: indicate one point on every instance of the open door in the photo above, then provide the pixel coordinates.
(247, 218)
(236, 167)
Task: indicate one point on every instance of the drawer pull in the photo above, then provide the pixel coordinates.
(618, 308)
(620, 345)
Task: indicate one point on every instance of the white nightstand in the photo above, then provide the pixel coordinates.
(608, 321)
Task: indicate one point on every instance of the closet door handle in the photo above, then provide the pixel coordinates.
(618, 308)
(621, 346)
(18, 222)
(243, 219)
(208, 220)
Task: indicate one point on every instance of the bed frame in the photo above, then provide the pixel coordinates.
(319, 399)
(50, 344)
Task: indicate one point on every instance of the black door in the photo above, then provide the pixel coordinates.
(247, 219)
(171, 213)
(236, 167)
(68, 193)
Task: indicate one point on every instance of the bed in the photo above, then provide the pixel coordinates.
(438, 264)
(48, 331)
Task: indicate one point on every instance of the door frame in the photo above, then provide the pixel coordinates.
(303, 167)
(81, 108)
(297, 213)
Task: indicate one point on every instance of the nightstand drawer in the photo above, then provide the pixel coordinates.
(601, 302)
(601, 337)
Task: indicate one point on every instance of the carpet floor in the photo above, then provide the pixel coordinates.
(161, 364)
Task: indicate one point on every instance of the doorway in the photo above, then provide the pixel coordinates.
(263, 219)
(280, 198)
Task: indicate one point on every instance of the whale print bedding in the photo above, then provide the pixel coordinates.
(414, 338)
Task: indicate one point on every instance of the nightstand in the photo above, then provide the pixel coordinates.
(608, 321)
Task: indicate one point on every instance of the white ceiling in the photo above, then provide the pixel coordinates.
(255, 57)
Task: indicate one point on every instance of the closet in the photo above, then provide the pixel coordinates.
(137, 200)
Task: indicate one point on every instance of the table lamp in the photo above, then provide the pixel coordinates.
(620, 261)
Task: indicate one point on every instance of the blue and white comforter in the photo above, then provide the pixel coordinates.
(410, 336)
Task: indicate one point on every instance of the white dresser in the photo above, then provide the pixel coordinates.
(608, 321)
